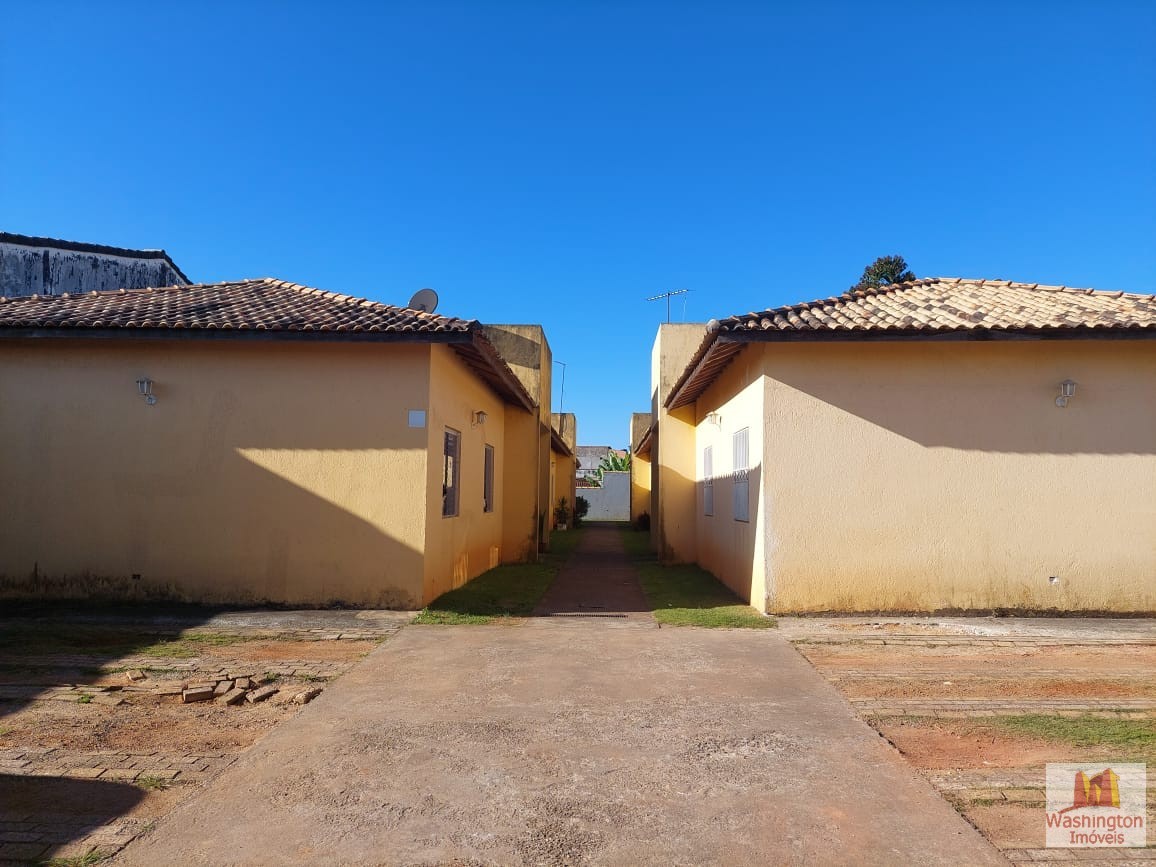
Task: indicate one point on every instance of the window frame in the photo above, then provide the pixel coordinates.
(741, 475)
(488, 469)
(451, 473)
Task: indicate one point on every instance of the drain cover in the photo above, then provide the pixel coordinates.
(585, 614)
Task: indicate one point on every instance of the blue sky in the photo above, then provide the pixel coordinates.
(558, 163)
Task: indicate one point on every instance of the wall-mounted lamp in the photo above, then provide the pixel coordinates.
(479, 418)
(714, 418)
(145, 387)
(1067, 392)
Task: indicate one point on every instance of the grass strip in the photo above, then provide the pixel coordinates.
(688, 595)
(505, 591)
(1136, 736)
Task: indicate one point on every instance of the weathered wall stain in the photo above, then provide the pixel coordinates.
(41, 266)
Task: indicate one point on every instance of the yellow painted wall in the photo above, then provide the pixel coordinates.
(563, 467)
(462, 547)
(640, 468)
(673, 479)
(526, 481)
(928, 476)
(731, 549)
(266, 471)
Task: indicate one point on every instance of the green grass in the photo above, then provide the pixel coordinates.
(688, 595)
(94, 857)
(1134, 736)
(154, 783)
(506, 591)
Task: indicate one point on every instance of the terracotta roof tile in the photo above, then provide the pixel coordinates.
(245, 305)
(954, 304)
(933, 307)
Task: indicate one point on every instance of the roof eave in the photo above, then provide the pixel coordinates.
(471, 345)
(642, 450)
(720, 347)
(559, 445)
(255, 334)
(481, 356)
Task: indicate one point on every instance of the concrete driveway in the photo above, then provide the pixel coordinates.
(555, 741)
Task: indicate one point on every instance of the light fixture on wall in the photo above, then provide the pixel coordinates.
(714, 418)
(479, 418)
(145, 387)
(1067, 392)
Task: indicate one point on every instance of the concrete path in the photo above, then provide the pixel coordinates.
(558, 741)
(598, 582)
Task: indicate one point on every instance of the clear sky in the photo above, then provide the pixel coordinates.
(560, 162)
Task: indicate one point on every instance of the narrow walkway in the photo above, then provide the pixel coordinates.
(598, 582)
(566, 742)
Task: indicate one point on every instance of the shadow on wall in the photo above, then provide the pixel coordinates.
(996, 398)
(267, 540)
(727, 545)
(167, 494)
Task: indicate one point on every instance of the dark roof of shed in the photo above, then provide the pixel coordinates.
(84, 247)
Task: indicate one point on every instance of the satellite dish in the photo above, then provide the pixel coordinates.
(425, 300)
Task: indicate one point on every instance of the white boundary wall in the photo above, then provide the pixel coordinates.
(611, 502)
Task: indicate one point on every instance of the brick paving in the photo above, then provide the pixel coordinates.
(113, 764)
(957, 708)
(36, 835)
(985, 787)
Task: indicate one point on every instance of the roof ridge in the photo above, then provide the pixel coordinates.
(140, 290)
(1047, 287)
(896, 288)
(341, 296)
(275, 282)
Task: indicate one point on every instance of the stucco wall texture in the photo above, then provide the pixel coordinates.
(673, 480)
(931, 476)
(528, 512)
(611, 502)
(266, 471)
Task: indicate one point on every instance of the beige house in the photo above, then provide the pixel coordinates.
(263, 441)
(934, 445)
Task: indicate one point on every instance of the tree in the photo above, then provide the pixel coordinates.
(614, 463)
(884, 271)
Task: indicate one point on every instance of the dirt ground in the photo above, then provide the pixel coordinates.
(944, 704)
(91, 756)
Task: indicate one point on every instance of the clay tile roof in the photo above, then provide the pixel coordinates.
(255, 308)
(954, 304)
(923, 309)
(266, 305)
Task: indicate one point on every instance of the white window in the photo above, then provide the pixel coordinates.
(742, 480)
(451, 472)
(488, 481)
(708, 481)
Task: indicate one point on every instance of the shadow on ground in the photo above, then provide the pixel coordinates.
(45, 814)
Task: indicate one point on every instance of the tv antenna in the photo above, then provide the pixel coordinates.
(425, 300)
(667, 296)
(562, 395)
